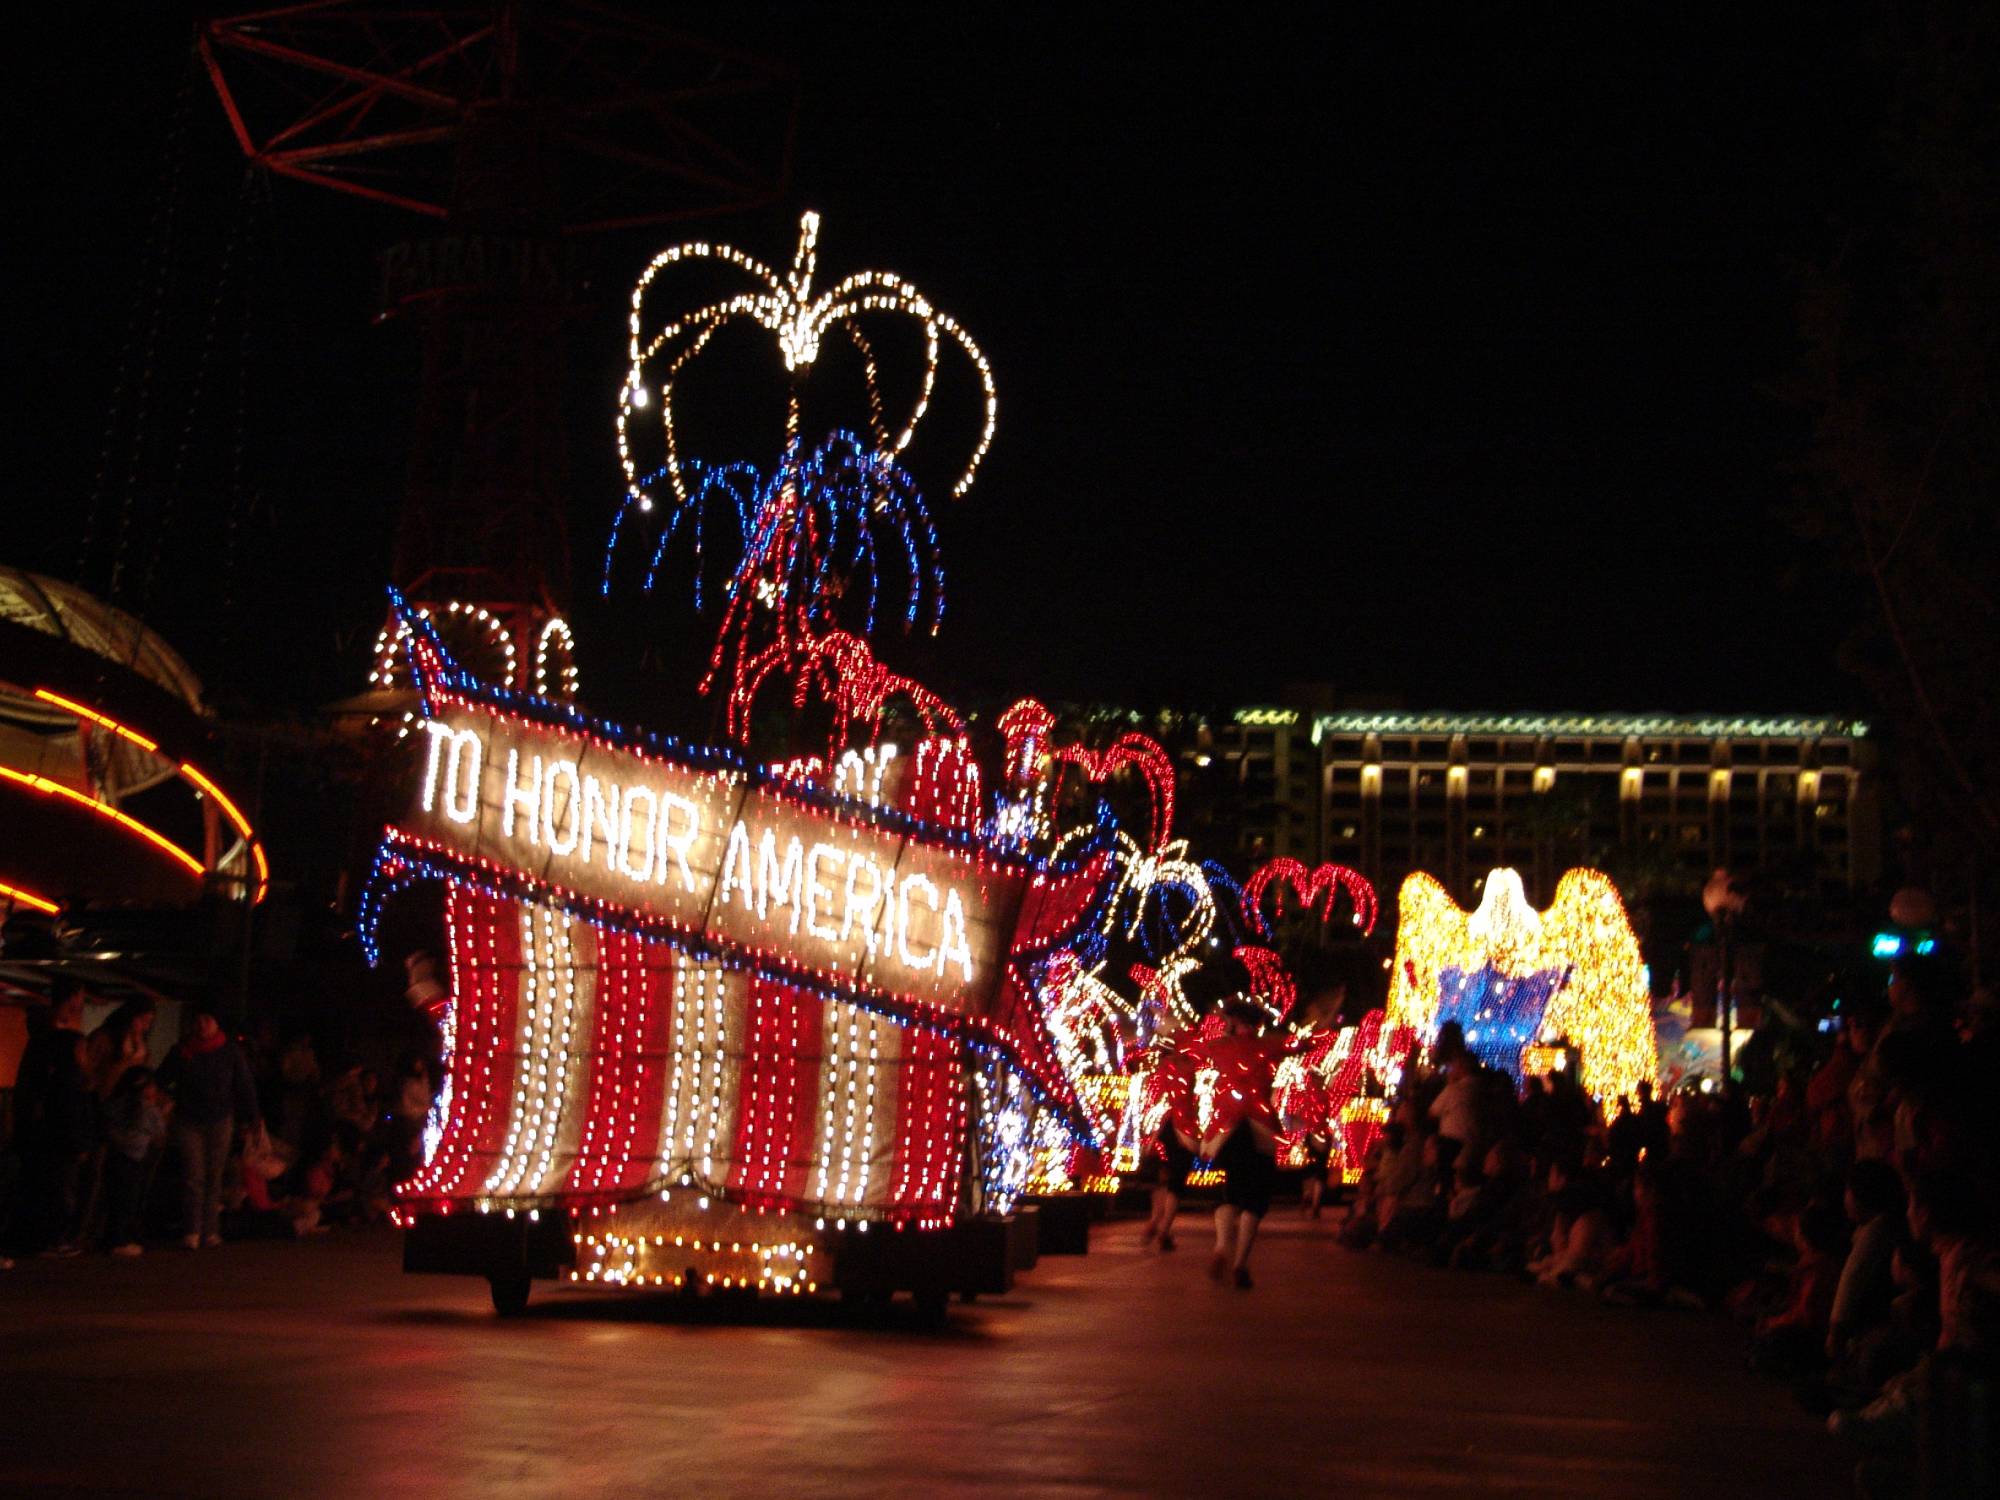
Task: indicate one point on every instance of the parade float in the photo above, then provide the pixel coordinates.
(1530, 990)
(799, 1023)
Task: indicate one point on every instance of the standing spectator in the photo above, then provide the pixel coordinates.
(120, 1043)
(213, 1093)
(1654, 1136)
(55, 1126)
(1534, 1117)
(293, 1105)
(1569, 1119)
(1791, 1338)
(135, 1124)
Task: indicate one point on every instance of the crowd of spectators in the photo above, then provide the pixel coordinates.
(1845, 1218)
(228, 1138)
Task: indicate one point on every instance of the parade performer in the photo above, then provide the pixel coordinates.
(1235, 1071)
(1170, 1144)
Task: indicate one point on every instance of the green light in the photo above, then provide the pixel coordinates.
(1643, 725)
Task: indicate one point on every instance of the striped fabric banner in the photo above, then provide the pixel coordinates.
(593, 1067)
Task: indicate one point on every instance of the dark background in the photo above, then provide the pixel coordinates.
(1432, 357)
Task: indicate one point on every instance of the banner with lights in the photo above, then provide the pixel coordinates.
(752, 870)
(674, 968)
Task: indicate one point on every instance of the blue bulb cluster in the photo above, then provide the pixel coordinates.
(1499, 1014)
(820, 528)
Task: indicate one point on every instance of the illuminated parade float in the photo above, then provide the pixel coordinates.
(1525, 987)
(798, 1024)
(823, 1020)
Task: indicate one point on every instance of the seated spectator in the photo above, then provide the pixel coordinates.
(1473, 1201)
(400, 1132)
(1945, 1216)
(1414, 1216)
(1579, 1246)
(1507, 1217)
(321, 1198)
(1779, 1118)
(1792, 1339)
(1357, 1230)
(1642, 1271)
(354, 1098)
(257, 1211)
(1863, 1296)
(1827, 1116)
(1580, 1236)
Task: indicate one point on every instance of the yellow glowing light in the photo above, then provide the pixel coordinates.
(237, 821)
(1601, 1005)
(28, 899)
(126, 732)
(97, 718)
(103, 810)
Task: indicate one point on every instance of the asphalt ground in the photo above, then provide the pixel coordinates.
(320, 1370)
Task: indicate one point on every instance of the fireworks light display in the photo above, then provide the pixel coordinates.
(708, 1004)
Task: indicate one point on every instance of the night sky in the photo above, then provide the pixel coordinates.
(1433, 359)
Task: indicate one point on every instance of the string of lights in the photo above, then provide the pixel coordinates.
(1315, 889)
(787, 308)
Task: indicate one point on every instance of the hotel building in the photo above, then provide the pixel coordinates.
(1457, 794)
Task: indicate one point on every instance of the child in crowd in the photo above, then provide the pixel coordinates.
(135, 1123)
(1357, 1230)
(1791, 1339)
(1580, 1236)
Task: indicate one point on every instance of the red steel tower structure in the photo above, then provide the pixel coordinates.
(515, 129)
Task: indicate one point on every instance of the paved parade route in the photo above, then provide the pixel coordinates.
(320, 1370)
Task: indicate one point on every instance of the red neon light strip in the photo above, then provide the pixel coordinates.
(28, 898)
(229, 809)
(97, 718)
(240, 823)
(105, 810)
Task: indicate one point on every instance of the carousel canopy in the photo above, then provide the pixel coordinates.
(44, 737)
